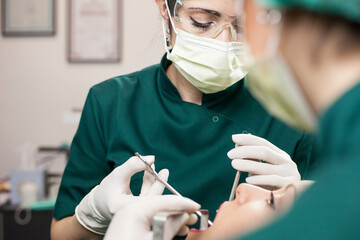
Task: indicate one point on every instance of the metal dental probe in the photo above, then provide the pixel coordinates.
(235, 185)
(168, 186)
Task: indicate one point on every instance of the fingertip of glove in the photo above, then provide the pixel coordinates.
(237, 137)
(234, 153)
(230, 154)
(192, 219)
(254, 180)
(197, 206)
(185, 217)
(150, 159)
(192, 205)
(164, 173)
(136, 161)
(242, 138)
(184, 230)
(235, 163)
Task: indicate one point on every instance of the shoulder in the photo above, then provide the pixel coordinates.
(115, 86)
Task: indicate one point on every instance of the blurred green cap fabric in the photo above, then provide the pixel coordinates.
(349, 9)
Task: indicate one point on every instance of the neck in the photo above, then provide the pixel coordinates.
(323, 76)
(324, 84)
(342, 75)
(187, 91)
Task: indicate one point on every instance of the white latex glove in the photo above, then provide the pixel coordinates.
(134, 220)
(278, 171)
(94, 213)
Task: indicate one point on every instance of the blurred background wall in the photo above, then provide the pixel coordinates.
(38, 85)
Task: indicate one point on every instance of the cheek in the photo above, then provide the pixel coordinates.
(172, 38)
(235, 219)
(257, 213)
(224, 210)
(256, 34)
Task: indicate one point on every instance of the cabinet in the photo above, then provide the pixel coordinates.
(24, 224)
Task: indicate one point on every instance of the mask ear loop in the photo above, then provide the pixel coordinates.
(167, 44)
(168, 11)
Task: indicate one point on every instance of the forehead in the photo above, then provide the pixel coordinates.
(228, 7)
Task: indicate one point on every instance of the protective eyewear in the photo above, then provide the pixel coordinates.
(202, 18)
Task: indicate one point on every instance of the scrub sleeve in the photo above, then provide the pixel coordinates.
(143, 112)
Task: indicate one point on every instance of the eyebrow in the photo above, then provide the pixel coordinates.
(213, 12)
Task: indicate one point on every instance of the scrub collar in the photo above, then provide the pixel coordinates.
(208, 100)
(338, 126)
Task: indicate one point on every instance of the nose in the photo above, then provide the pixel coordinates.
(225, 35)
(247, 193)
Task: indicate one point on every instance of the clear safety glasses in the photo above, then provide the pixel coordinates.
(209, 18)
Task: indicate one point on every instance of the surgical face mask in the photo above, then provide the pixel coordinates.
(273, 84)
(208, 64)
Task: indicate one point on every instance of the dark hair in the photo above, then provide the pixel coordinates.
(171, 4)
(345, 32)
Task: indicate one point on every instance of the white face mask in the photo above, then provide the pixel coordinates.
(273, 84)
(208, 64)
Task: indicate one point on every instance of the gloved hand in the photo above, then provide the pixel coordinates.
(94, 210)
(278, 170)
(134, 220)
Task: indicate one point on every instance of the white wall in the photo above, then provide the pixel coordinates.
(38, 84)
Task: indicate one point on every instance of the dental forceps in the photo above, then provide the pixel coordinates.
(168, 186)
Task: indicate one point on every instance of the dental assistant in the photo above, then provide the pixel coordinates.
(312, 81)
(184, 111)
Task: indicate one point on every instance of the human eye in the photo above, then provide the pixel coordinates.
(201, 25)
(237, 26)
(271, 201)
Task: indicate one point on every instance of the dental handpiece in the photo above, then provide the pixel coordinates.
(165, 183)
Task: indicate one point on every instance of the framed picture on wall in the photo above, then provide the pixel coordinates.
(28, 17)
(94, 28)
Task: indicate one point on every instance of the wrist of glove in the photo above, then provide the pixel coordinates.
(96, 209)
(89, 216)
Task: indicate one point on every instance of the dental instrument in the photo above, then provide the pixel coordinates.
(168, 186)
(235, 185)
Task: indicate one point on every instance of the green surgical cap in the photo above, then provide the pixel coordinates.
(349, 9)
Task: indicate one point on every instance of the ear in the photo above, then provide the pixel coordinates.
(162, 8)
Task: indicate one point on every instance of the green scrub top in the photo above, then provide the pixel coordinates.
(330, 209)
(143, 112)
